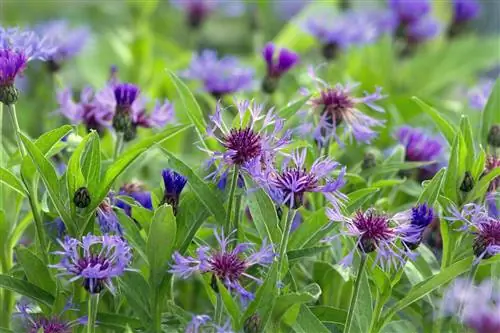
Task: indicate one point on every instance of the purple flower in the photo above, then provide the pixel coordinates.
(173, 185)
(137, 192)
(412, 224)
(106, 216)
(477, 307)
(465, 10)
(255, 141)
(484, 227)
(422, 30)
(35, 322)
(373, 233)
(66, 42)
(492, 162)
(338, 107)
(478, 95)
(226, 264)
(27, 42)
(198, 10)
(279, 61)
(88, 111)
(289, 186)
(421, 147)
(196, 324)
(410, 11)
(12, 63)
(219, 76)
(95, 259)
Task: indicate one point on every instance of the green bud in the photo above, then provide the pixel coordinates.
(253, 324)
(467, 183)
(494, 136)
(9, 94)
(82, 197)
(121, 121)
(369, 161)
(270, 84)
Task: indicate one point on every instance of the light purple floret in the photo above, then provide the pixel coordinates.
(478, 95)
(465, 10)
(279, 60)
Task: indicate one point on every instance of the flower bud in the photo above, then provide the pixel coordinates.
(253, 324)
(270, 84)
(479, 246)
(467, 183)
(9, 94)
(330, 51)
(494, 136)
(369, 161)
(121, 121)
(81, 197)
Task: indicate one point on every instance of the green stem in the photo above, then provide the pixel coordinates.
(37, 217)
(12, 111)
(157, 314)
(93, 303)
(354, 299)
(237, 216)
(118, 145)
(284, 240)
(218, 309)
(7, 302)
(232, 191)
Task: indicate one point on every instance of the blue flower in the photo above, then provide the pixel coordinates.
(137, 192)
(410, 11)
(412, 224)
(107, 219)
(479, 95)
(465, 10)
(279, 61)
(95, 260)
(173, 185)
(36, 322)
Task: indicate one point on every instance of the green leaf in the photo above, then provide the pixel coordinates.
(27, 289)
(453, 173)
(188, 106)
(329, 314)
(482, 185)
(229, 303)
(305, 252)
(190, 217)
(364, 307)
(160, 244)
(468, 136)
(444, 125)
(91, 167)
(205, 194)
(310, 293)
(431, 191)
(264, 215)
(36, 271)
(310, 231)
(9, 179)
(359, 197)
(74, 175)
(51, 182)
(126, 159)
(137, 292)
(117, 321)
(291, 109)
(307, 322)
(491, 114)
(132, 233)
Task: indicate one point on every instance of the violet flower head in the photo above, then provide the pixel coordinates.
(492, 162)
(338, 107)
(219, 76)
(420, 147)
(198, 10)
(255, 141)
(478, 95)
(108, 221)
(410, 11)
(136, 191)
(373, 233)
(412, 224)
(485, 228)
(465, 10)
(289, 186)
(96, 260)
(66, 42)
(475, 306)
(173, 185)
(279, 61)
(197, 323)
(88, 111)
(162, 114)
(28, 42)
(36, 322)
(422, 30)
(228, 265)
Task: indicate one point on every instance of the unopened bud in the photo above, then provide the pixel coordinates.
(122, 121)
(330, 51)
(369, 161)
(494, 136)
(270, 84)
(467, 183)
(81, 197)
(9, 94)
(253, 324)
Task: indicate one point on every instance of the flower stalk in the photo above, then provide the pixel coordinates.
(93, 303)
(354, 299)
(284, 238)
(232, 192)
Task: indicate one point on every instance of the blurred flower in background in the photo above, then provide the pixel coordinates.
(197, 11)
(478, 95)
(279, 61)
(463, 12)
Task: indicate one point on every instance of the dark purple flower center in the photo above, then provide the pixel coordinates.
(335, 103)
(293, 183)
(488, 235)
(50, 325)
(125, 95)
(12, 63)
(227, 266)
(491, 163)
(422, 215)
(244, 144)
(374, 228)
(94, 262)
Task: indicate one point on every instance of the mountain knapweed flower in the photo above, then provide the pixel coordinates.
(173, 185)
(198, 10)
(422, 30)
(137, 192)
(66, 42)
(337, 106)
(125, 96)
(35, 322)
(477, 307)
(478, 95)
(412, 224)
(219, 76)
(228, 265)
(410, 11)
(289, 186)
(279, 61)
(420, 147)
(373, 233)
(256, 140)
(463, 12)
(95, 259)
(492, 162)
(486, 229)
(106, 216)
(337, 32)
(196, 324)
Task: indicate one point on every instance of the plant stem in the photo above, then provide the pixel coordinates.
(284, 239)
(118, 145)
(93, 303)
(237, 215)
(354, 299)
(15, 123)
(232, 191)
(33, 200)
(6, 265)
(218, 309)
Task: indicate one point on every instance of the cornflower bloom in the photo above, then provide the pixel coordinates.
(463, 12)
(421, 31)
(475, 306)
(220, 77)
(136, 191)
(255, 140)
(339, 107)
(279, 61)
(410, 11)
(173, 185)
(412, 224)
(226, 264)
(420, 147)
(35, 322)
(492, 162)
(478, 95)
(485, 228)
(95, 259)
(66, 42)
(289, 185)
(198, 10)
(106, 216)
